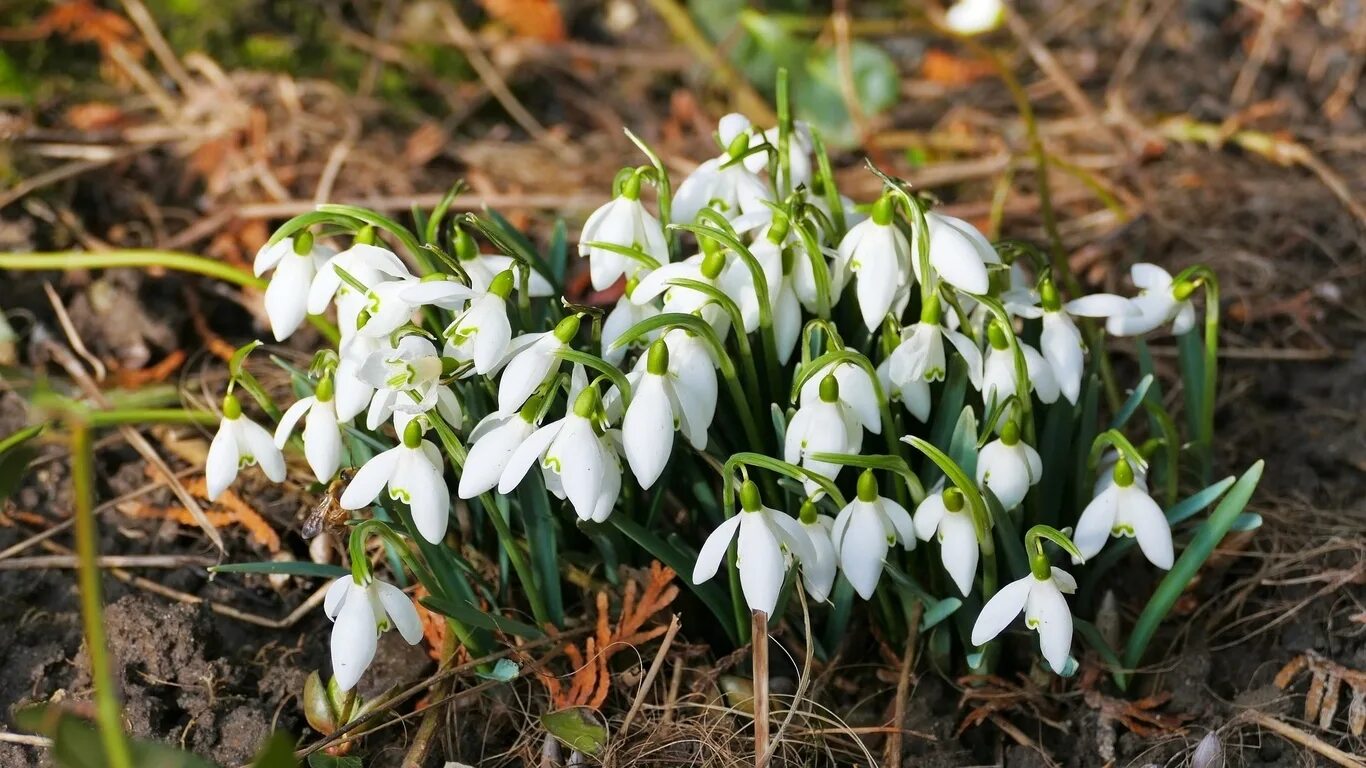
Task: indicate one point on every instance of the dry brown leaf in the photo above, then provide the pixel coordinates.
(227, 510)
(535, 19)
(1325, 688)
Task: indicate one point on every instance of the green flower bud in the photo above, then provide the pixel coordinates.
(830, 388)
(232, 408)
(567, 329)
(867, 486)
(657, 361)
(412, 434)
(749, 497)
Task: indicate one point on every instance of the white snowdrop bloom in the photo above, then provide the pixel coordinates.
(239, 442)
(818, 575)
(532, 358)
(723, 183)
(353, 392)
(447, 406)
(482, 332)
(322, 430)
(959, 254)
(709, 267)
(945, 515)
(362, 611)
(1061, 343)
(920, 355)
(1009, 466)
(576, 461)
(914, 394)
(1105, 472)
(412, 471)
(973, 17)
(391, 303)
(661, 402)
(296, 262)
(406, 378)
(493, 441)
(765, 543)
(1124, 508)
(626, 223)
(857, 393)
(799, 148)
(779, 265)
(998, 370)
(823, 425)
(368, 264)
(865, 531)
(625, 314)
(1160, 300)
(482, 268)
(877, 254)
(1045, 610)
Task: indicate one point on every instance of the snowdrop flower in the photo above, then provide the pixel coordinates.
(625, 315)
(1105, 473)
(1061, 342)
(482, 332)
(447, 406)
(412, 473)
(822, 426)
(353, 392)
(533, 357)
(1124, 508)
(707, 267)
(818, 574)
(363, 610)
(799, 148)
(724, 183)
(1040, 596)
(295, 261)
(944, 514)
(626, 223)
(766, 539)
(322, 430)
(857, 395)
(661, 402)
(482, 268)
(877, 254)
(391, 303)
(1160, 300)
(864, 532)
(239, 442)
(406, 378)
(1009, 466)
(779, 265)
(576, 462)
(914, 394)
(973, 17)
(367, 264)
(959, 254)
(493, 441)
(920, 355)
(998, 371)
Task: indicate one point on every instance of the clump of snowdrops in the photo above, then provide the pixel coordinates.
(784, 390)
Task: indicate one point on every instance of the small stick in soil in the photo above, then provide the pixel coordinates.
(1304, 739)
(653, 672)
(40, 562)
(892, 757)
(759, 654)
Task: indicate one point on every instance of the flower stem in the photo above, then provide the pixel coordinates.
(137, 416)
(107, 712)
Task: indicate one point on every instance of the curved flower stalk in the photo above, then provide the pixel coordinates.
(865, 531)
(877, 254)
(944, 514)
(296, 262)
(1040, 596)
(822, 425)
(412, 473)
(1160, 300)
(1009, 466)
(766, 543)
(362, 610)
(322, 430)
(482, 332)
(625, 223)
(239, 442)
(577, 461)
(1060, 342)
(724, 184)
(1124, 508)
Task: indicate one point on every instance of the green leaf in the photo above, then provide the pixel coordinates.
(578, 728)
(505, 670)
(539, 523)
(286, 567)
(278, 752)
(1093, 638)
(1132, 404)
(471, 616)
(1186, 567)
(963, 444)
(76, 742)
(16, 452)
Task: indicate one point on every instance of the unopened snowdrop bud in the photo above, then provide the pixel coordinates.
(818, 576)
(1009, 466)
(296, 261)
(1040, 596)
(877, 254)
(239, 442)
(945, 515)
(864, 532)
(1124, 508)
(766, 538)
(482, 332)
(974, 17)
(624, 222)
(363, 610)
(322, 430)
(412, 473)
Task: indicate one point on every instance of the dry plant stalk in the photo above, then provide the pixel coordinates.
(591, 680)
(1325, 690)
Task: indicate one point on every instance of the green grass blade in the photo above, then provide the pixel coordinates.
(288, 567)
(1131, 405)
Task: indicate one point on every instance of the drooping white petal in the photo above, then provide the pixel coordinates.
(1040, 375)
(221, 464)
(1150, 277)
(959, 253)
(525, 372)
(1061, 345)
(490, 453)
(1005, 470)
(287, 294)
(322, 441)
(1047, 613)
(648, 430)
(900, 520)
(270, 255)
(760, 562)
(400, 610)
(1098, 305)
(1000, 610)
(1093, 528)
(254, 440)
(370, 479)
(526, 454)
(818, 574)
(336, 594)
(354, 639)
(578, 455)
(929, 515)
(863, 547)
(290, 418)
(427, 494)
(791, 534)
(714, 550)
(959, 549)
(1139, 513)
(1184, 320)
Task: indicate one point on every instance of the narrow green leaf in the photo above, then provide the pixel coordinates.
(1093, 638)
(471, 616)
(1132, 404)
(286, 567)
